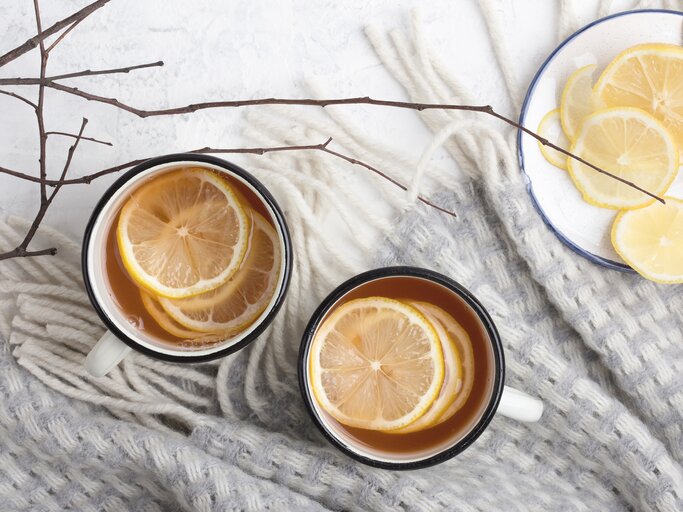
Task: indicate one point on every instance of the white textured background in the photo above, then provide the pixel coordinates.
(227, 50)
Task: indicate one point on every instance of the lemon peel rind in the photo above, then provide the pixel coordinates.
(179, 332)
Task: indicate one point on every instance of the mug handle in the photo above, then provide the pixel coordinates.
(519, 406)
(105, 355)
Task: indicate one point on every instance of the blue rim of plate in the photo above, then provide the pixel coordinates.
(605, 262)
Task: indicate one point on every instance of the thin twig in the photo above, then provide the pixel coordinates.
(21, 249)
(69, 157)
(325, 149)
(110, 170)
(546, 142)
(254, 151)
(85, 72)
(194, 107)
(30, 44)
(260, 151)
(39, 109)
(17, 96)
(24, 176)
(360, 100)
(353, 161)
(18, 252)
(63, 35)
(73, 136)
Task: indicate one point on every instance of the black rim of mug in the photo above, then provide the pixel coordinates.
(230, 168)
(463, 293)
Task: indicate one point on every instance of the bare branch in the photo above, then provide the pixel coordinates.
(21, 249)
(53, 82)
(110, 170)
(22, 175)
(194, 107)
(23, 253)
(546, 142)
(69, 156)
(45, 201)
(86, 72)
(360, 100)
(25, 100)
(73, 136)
(39, 110)
(254, 151)
(63, 35)
(325, 149)
(30, 44)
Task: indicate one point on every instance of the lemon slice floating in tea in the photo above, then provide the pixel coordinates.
(164, 320)
(463, 346)
(182, 233)
(650, 240)
(649, 77)
(578, 100)
(629, 143)
(234, 305)
(550, 129)
(452, 381)
(376, 363)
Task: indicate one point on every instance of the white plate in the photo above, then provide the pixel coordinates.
(584, 228)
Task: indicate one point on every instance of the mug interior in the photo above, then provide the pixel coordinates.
(100, 287)
(420, 457)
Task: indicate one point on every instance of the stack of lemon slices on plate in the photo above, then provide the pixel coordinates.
(206, 263)
(397, 366)
(630, 123)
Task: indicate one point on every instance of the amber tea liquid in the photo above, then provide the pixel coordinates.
(125, 292)
(456, 427)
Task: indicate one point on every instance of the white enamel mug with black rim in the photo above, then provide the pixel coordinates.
(502, 399)
(122, 336)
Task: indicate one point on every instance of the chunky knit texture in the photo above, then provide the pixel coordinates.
(602, 349)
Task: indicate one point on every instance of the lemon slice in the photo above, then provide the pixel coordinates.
(182, 233)
(578, 100)
(166, 322)
(650, 240)
(649, 77)
(452, 380)
(376, 363)
(463, 345)
(629, 143)
(234, 305)
(550, 128)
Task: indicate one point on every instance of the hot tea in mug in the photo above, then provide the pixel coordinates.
(402, 367)
(192, 257)
(186, 258)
